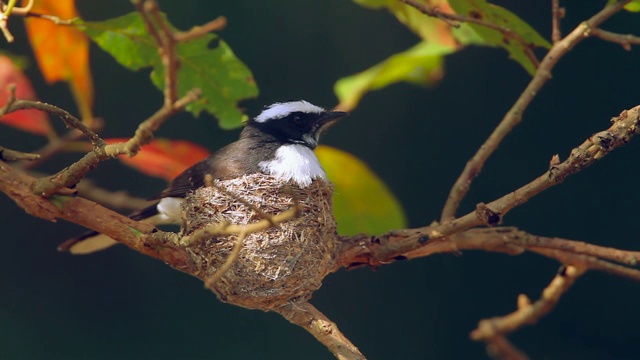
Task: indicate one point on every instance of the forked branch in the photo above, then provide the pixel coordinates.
(514, 115)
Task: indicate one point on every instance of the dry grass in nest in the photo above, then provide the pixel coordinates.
(281, 264)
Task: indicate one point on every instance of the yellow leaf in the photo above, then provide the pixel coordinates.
(362, 203)
(62, 51)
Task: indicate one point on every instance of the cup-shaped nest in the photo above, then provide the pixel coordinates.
(283, 263)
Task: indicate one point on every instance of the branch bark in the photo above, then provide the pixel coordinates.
(514, 115)
(378, 250)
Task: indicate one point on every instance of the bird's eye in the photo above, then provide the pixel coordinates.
(299, 120)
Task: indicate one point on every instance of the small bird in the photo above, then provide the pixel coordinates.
(278, 142)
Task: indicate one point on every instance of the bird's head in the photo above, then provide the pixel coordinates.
(295, 122)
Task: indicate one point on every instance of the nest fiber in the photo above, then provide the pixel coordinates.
(284, 263)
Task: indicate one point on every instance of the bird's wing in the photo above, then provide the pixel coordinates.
(231, 161)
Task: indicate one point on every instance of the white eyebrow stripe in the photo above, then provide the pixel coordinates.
(280, 110)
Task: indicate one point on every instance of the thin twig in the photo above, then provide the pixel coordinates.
(54, 19)
(151, 29)
(13, 155)
(18, 10)
(144, 133)
(4, 17)
(69, 120)
(528, 313)
(166, 49)
(198, 31)
(57, 145)
(625, 40)
(557, 13)
(382, 249)
(12, 98)
(324, 330)
(514, 115)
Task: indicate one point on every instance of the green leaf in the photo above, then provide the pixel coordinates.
(420, 65)
(223, 79)
(499, 16)
(633, 6)
(361, 201)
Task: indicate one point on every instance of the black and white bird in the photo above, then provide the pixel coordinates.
(278, 142)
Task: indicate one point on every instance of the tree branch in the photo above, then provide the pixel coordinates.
(624, 40)
(141, 237)
(557, 13)
(13, 155)
(514, 115)
(493, 329)
(324, 330)
(377, 250)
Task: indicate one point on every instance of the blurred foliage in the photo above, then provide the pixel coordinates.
(423, 63)
(361, 201)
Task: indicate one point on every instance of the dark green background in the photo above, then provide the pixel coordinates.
(121, 305)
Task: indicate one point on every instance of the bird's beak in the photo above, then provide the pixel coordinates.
(331, 116)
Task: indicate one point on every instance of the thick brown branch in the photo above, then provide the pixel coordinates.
(514, 115)
(324, 330)
(139, 236)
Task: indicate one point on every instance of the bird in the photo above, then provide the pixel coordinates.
(278, 142)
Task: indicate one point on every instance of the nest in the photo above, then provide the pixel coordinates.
(281, 264)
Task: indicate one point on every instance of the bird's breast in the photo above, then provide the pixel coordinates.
(294, 162)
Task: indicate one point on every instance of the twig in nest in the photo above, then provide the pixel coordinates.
(209, 182)
(528, 313)
(514, 115)
(231, 229)
(324, 330)
(231, 259)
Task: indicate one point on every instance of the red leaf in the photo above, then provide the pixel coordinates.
(33, 121)
(164, 158)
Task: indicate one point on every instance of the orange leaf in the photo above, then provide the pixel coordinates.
(62, 51)
(33, 121)
(164, 158)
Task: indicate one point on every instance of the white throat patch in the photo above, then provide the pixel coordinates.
(294, 162)
(280, 110)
